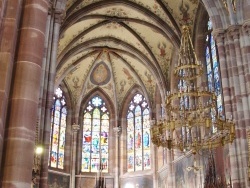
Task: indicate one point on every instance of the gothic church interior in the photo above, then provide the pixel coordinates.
(85, 85)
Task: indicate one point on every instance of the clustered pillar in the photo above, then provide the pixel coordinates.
(20, 127)
(233, 56)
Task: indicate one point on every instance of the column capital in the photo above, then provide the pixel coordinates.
(219, 35)
(117, 130)
(234, 31)
(246, 26)
(58, 13)
(59, 16)
(75, 127)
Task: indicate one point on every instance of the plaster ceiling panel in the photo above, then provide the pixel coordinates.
(68, 63)
(154, 7)
(184, 11)
(101, 75)
(124, 76)
(161, 47)
(76, 76)
(121, 11)
(129, 11)
(83, 4)
(133, 40)
(75, 30)
(147, 78)
(114, 31)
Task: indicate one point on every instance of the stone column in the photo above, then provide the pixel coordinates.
(220, 37)
(20, 138)
(230, 107)
(117, 131)
(9, 32)
(75, 129)
(241, 102)
(246, 55)
(54, 23)
(170, 175)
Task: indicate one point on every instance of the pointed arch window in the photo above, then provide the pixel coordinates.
(96, 119)
(138, 135)
(57, 132)
(212, 64)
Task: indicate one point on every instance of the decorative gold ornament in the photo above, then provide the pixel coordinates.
(192, 122)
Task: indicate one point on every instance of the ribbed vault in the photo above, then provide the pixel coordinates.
(117, 44)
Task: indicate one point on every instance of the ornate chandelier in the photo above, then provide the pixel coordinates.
(192, 122)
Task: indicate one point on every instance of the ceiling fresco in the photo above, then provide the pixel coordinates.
(115, 45)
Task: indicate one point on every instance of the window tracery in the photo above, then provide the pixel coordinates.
(138, 135)
(95, 136)
(58, 129)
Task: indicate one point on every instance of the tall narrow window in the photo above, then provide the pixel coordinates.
(212, 63)
(138, 135)
(57, 133)
(95, 136)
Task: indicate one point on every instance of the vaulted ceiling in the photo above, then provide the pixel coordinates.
(118, 44)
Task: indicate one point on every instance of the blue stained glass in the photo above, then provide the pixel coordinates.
(214, 82)
(58, 129)
(95, 136)
(209, 25)
(138, 135)
(97, 101)
(146, 139)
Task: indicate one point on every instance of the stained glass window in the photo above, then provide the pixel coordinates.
(212, 63)
(95, 136)
(138, 135)
(57, 132)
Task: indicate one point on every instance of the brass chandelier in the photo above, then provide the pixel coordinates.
(192, 122)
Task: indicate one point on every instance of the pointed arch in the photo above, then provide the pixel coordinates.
(58, 130)
(136, 113)
(98, 91)
(96, 116)
(128, 97)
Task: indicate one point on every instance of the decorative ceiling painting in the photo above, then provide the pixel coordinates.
(115, 45)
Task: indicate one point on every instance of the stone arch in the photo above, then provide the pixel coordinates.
(217, 13)
(122, 121)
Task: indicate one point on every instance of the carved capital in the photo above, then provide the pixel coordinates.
(219, 36)
(75, 127)
(246, 27)
(117, 130)
(234, 32)
(59, 16)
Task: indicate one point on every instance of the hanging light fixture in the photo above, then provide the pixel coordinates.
(192, 122)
